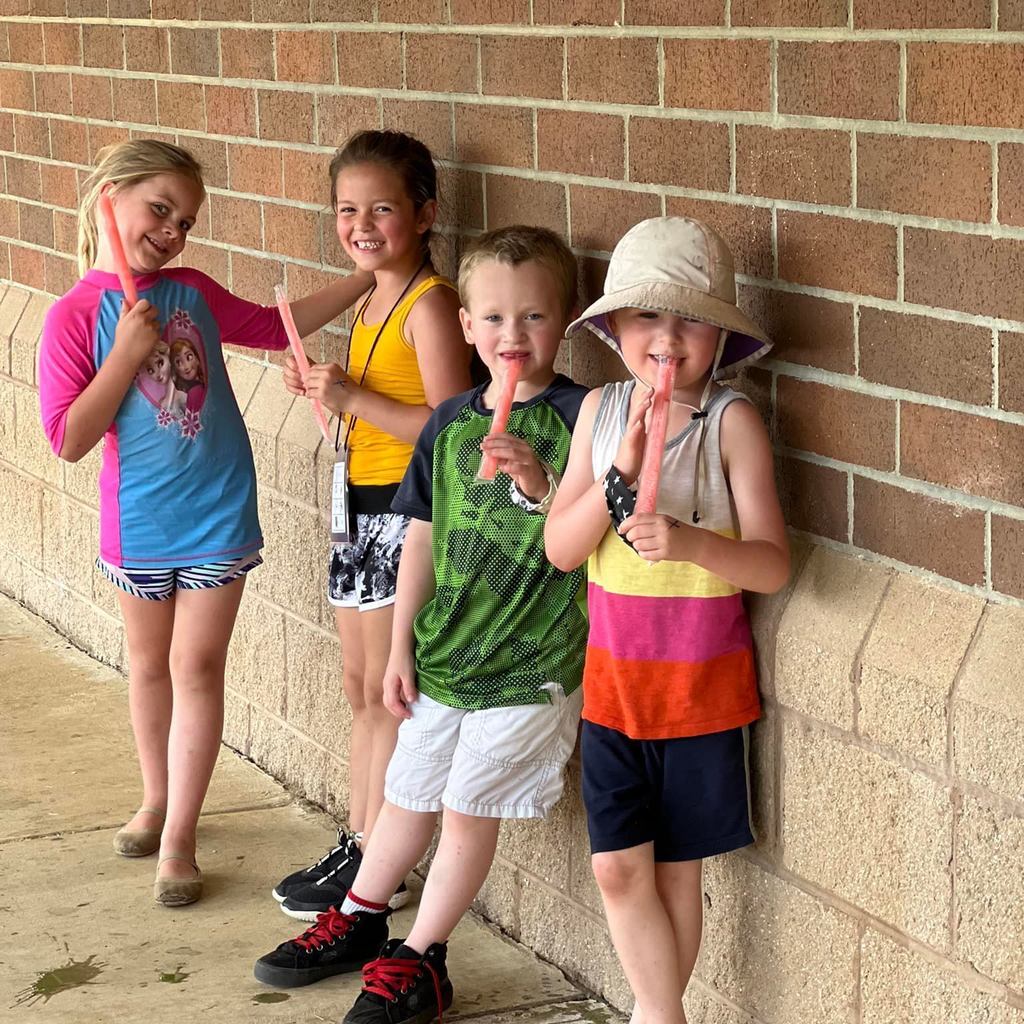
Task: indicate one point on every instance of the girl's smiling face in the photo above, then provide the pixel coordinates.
(158, 367)
(186, 364)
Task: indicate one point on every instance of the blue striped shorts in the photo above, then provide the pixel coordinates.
(160, 584)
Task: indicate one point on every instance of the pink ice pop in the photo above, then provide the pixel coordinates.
(131, 296)
(299, 352)
(502, 407)
(650, 469)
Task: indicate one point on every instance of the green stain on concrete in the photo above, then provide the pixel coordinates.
(48, 984)
(175, 977)
(271, 997)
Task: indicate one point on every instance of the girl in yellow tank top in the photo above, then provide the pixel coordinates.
(406, 355)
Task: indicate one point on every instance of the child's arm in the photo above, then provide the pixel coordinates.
(314, 311)
(415, 587)
(759, 561)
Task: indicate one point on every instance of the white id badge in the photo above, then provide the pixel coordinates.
(341, 531)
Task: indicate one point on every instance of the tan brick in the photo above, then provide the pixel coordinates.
(370, 59)
(913, 528)
(134, 99)
(966, 83)
(988, 708)
(837, 253)
(91, 96)
(613, 70)
(922, 14)
(103, 46)
(305, 56)
(813, 498)
(180, 105)
(580, 143)
(146, 49)
(508, 198)
(821, 633)
(909, 664)
(693, 154)
(808, 13)
(441, 63)
(53, 92)
(919, 353)
(576, 12)
(339, 116)
(668, 12)
(1011, 183)
(794, 163)
(32, 135)
(522, 66)
(857, 79)
(901, 984)
(194, 51)
(490, 12)
(69, 532)
(62, 44)
(500, 136)
(427, 120)
(255, 169)
(257, 654)
(285, 116)
(316, 704)
(247, 53)
(693, 74)
(946, 178)
(990, 932)
(601, 216)
(32, 452)
(230, 111)
(770, 947)
(1008, 555)
(297, 445)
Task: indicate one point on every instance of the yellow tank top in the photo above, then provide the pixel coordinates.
(375, 457)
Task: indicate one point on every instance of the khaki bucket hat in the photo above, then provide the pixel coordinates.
(680, 266)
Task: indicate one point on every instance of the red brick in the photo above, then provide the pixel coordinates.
(922, 14)
(694, 74)
(1011, 183)
(253, 278)
(133, 9)
(429, 121)
(65, 231)
(339, 116)
(968, 453)
(230, 111)
(16, 89)
(747, 230)
(134, 100)
(146, 49)
(332, 253)
(213, 155)
(53, 92)
(671, 12)
(189, 10)
(247, 53)
(35, 225)
(9, 219)
(580, 143)
(62, 44)
(859, 80)
(226, 10)
(837, 253)
(693, 154)
(803, 13)
(967, 272)
(292, 231)
(7, 131)
(441, 63)
(284, 11)
(839, 424)
(32, 135)
(370, 60)
(501, 136)
(490, 12)
(103, 46)
(59, 274)
(254, 169)
(411, 12)
(934, 357)
(813, 498)
(285, 115)
(613, 70)
(305, 57)
(91, 97)
(27, 267)
(352, 10)
(180, 105)
(59, 185)
(102, 135)
(1011, 371)
(576, 12)
(305, 176)
(913, 528)
(195, 51)
(966, 83)
(69, 140)
(201, 228)
(25, 42)
(601, 216)
(522, 66)
(1008, 556)
(460, 198)
(793, 163)
(514, 200)
(236, 221)
(804, 328)
(212, 261)
(1011, 15)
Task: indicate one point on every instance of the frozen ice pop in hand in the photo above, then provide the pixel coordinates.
(131, 296)
(650, 468)
(299, 352)
(502, 407)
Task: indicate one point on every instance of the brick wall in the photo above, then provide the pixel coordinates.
(866, 162)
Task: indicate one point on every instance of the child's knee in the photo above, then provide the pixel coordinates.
(618, 875)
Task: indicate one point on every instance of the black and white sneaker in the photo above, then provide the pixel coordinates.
(403, 987)
(328, 863)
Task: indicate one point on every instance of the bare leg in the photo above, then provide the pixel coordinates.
(350, 632)
(203, 622)
(642, 931)
(464, 856)
(399, 841)
(148, 626)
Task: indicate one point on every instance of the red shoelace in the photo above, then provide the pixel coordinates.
(389, 976)
(328, 927)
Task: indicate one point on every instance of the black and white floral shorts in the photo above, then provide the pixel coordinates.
(363, 574)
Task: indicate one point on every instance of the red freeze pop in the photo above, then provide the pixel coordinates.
(131, 296)
(502, 407)
(650, 469)
(299, 352)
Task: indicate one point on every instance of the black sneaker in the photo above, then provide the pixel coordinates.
(403, 987)
(304, 877)
(337, 944)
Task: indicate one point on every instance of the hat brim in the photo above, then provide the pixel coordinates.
(746, 343)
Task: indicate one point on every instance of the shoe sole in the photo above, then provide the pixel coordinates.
(303, 915)
(277, 896)
(282, 977)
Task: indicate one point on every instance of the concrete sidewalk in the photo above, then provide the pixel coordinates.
(83, 941)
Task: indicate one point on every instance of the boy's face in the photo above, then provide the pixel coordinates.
(645, 334)
(514, 313)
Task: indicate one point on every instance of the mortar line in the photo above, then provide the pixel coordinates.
(994, 219)
(988, 550)
(850, 515)
(902, 99)
(996, 357)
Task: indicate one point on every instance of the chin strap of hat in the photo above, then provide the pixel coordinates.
(700, 469)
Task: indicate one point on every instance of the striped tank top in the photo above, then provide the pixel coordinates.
(669, 652)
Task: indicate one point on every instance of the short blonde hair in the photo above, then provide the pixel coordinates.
(520, 244)
(122, 164)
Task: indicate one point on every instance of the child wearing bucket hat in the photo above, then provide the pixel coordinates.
(669, 682)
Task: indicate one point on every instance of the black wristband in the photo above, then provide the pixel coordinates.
(620, 499)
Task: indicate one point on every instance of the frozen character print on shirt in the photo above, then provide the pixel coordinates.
(158, 381)
(173, 378)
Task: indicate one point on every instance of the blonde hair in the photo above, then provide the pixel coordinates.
(122, 164)
(519, 244)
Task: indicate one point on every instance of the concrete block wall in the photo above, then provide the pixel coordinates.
(865, 162)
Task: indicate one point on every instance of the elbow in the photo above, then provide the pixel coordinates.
(777, 576)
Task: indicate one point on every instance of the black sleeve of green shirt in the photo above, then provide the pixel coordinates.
(566, 397)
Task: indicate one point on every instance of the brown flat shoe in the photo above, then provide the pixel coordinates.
(177, 892)
(138, 842)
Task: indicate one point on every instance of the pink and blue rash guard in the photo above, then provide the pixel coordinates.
(178, 484)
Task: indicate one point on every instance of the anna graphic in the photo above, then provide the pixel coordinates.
(186, 355)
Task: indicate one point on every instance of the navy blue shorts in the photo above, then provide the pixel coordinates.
(689, 796)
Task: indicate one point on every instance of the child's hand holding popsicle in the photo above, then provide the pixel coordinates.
(514, 456)
(499, 420)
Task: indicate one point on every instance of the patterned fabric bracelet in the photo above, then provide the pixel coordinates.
(543, 506)
(620, 498)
